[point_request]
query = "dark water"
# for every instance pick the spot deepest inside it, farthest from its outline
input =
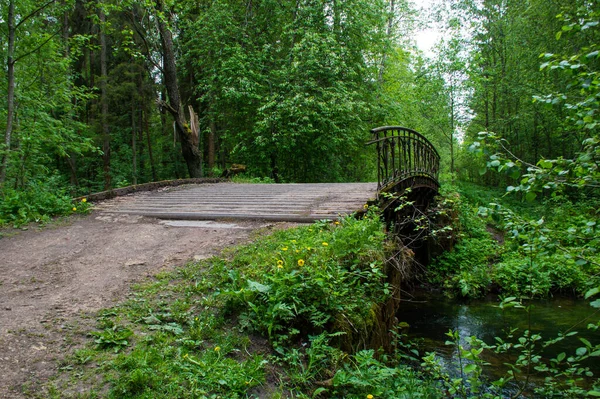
(431, 317)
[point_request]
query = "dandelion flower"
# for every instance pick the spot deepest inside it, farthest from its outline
(74, 209)
(325, 244)
(300, 262)
(369, 396)
(217, 348)
(279, 262)
(337, 222)
(366, 206)
(84, 200)
(284, 248)
(280, 266)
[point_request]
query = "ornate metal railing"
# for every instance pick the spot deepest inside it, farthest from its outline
(405, 159)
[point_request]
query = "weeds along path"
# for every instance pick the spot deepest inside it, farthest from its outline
(53, 280)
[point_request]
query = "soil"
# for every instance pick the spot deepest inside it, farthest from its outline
(53, 280)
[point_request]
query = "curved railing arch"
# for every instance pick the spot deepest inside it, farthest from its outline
(405, 159)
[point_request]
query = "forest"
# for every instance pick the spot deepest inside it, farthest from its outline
(102, 94)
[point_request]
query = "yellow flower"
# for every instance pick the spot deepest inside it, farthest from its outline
(280, 266)
(369, 396)
(325, 244)
(279, 262)
(294, 241)
(84, 200)
(337, 222)
(308, 248)
(217, 348)
(74, 209)
(300, 262)
(297, 251)
(284, 248)
(366, 206)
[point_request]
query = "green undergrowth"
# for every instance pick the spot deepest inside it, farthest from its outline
(265, 320)
(37, 202)
(517, 248)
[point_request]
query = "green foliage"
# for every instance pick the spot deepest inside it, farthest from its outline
(38, 202)
(365, 375)
(504, 77)
(289, 86)
(538, 256)
(304, 289)
(465, 269)
(469, 384)
(114, 337)
(315, 279)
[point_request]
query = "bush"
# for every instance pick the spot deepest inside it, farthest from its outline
(37, 202)
(366, 377)
(465, 269)
(307, 280)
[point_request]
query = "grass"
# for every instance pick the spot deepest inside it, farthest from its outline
(265, 320)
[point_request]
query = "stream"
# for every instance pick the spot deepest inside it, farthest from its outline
(430, 317)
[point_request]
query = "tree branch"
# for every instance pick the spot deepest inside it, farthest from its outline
(37, 48)
(165, 105)
(139, 31)
(31, 14)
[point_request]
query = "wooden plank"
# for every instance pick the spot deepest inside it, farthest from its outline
(276, 202)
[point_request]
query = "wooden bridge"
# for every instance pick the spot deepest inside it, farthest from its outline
(406, 163)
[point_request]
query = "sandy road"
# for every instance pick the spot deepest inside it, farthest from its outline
(53, 280)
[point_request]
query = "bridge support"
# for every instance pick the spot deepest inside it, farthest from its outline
(407, 171)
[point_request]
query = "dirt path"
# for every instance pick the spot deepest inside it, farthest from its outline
(52, 281)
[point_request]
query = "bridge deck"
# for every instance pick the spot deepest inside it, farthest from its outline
(279, 202)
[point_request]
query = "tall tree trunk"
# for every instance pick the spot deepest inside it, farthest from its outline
(133, 142)
(150, 155)
(187, 137)
(11, 88)
(389, 33)
(211, 145)
(104, 102)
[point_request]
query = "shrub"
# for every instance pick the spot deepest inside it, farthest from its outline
(37, 202)
(305, 281)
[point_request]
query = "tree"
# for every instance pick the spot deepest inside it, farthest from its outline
(187, 132)
(40, 121)
(11, 59)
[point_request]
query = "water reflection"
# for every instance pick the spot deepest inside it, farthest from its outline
(431, 317)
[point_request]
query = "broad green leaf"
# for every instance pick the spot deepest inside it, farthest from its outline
(545, 164)
(592, 292)
(469, 368)
(530, 196)
(581, 351)
(258, 287)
